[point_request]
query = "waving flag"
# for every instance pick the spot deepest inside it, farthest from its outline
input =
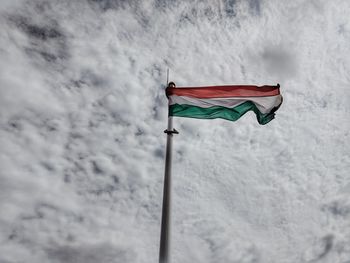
(225, 102)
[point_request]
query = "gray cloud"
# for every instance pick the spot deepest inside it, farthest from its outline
(90, 254)
(280, 61)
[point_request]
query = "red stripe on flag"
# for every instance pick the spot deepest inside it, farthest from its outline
(224, 91)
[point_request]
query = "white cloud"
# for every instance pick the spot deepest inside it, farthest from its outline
(82, 114)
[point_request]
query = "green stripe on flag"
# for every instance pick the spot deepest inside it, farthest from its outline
(231, 114)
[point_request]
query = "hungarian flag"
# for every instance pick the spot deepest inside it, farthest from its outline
(225, 102)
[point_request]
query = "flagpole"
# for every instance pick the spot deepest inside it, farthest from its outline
(166, 209)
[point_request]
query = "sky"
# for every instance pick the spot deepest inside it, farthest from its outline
(82, 115)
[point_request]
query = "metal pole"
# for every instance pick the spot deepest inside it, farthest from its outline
(165, 228)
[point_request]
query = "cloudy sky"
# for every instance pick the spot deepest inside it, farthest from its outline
(82, 114)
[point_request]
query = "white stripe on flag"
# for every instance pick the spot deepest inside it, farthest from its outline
(264, 104)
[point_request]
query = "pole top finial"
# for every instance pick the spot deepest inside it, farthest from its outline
(171, 85)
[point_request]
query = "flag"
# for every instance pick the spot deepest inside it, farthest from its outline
(225, 102)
